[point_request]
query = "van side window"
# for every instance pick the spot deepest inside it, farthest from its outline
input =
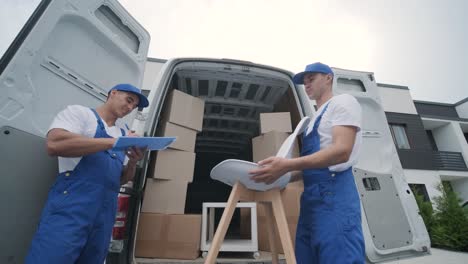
(114, 23)
(351, 85)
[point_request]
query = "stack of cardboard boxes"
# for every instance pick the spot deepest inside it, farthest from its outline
(164, 231)
(274, 129)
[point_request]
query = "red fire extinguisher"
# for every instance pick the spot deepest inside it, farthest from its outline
(121, 219)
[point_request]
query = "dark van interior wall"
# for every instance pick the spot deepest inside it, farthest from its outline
(203, 188)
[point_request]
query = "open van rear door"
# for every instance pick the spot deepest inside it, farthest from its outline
(69, 52)
(392, 227)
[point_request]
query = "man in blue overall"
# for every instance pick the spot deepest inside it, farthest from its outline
(329, 228)
(77, 220)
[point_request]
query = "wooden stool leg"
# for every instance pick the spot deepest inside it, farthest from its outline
(271, 231)
(224, 223)
(285, 236)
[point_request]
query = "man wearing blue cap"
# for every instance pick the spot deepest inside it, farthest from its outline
(77, 220)
(329, 228)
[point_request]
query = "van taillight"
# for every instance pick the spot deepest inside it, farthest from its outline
(118, 231)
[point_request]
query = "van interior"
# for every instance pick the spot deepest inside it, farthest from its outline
(233, 100)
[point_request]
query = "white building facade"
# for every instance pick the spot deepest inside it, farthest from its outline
(431, 139)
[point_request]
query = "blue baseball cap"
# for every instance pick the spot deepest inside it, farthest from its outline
(143, 101)
(312, 68)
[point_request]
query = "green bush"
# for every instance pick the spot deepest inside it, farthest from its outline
(448, 223)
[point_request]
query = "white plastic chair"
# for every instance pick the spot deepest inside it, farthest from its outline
(231, 171)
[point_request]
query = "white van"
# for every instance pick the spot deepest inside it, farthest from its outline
(72, 52)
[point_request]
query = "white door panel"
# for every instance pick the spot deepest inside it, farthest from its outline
(72, 52)
(391, 223)
(75, 53)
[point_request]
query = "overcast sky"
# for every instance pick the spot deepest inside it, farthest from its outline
(422, 44)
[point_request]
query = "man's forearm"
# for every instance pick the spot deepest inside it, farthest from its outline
(321, 159)
(79, 146)
(66, 144)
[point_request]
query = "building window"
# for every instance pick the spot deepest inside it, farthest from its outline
(466, 137)
(399, 136)
(420, 189)
(447, 186)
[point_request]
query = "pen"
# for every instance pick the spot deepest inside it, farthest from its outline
(128, 129)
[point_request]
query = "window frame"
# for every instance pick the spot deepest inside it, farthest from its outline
(420, 189)
(395, 141)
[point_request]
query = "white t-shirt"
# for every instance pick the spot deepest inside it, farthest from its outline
(343, 110)
(79, 120)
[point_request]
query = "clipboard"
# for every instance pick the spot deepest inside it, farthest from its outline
(152, 143)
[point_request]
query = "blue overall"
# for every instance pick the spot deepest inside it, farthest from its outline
(329, 229)
(77, 220)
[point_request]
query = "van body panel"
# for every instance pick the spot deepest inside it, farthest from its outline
(152, 68)
(74, 52)
(391, 224)
(25, 183)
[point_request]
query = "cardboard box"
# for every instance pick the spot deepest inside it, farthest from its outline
(164, 196)
(168, 236)
(170, 164)
(291, 197)
(280, 122)
(268, 144)
(183, 109)
(264, 243)
(186, 137)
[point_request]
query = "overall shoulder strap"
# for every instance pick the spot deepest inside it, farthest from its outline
(98, 118)
(319, 118)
